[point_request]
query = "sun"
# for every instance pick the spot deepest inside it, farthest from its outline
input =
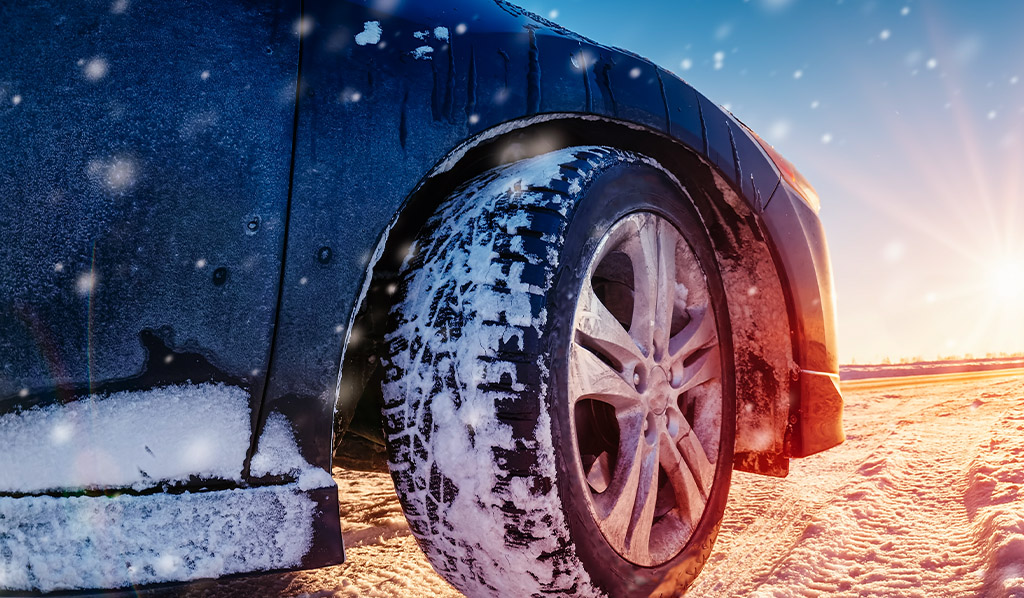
(1006, 280)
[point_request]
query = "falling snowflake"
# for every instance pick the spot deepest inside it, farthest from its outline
(775, 5)
(61, 433)
(779, 130)
(826, 138)
(350, 95)
(95, 68)
(885, 34)
(303, 26)
(86, 283)
(686, 64)
(115, 174)
(894, 251)
(798, 74)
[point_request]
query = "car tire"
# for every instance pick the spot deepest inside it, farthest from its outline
(558, 401)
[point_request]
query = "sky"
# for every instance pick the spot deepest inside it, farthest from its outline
(908, 119)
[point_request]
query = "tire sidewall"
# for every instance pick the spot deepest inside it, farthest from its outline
(618, 191)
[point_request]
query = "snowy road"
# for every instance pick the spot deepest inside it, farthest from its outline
(923, 499)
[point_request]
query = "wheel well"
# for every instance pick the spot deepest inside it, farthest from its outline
(757, 305)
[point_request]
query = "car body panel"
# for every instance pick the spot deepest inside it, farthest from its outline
(374, 118)
(144, 198)
(145, 202)
(219, 171)
(799, 241)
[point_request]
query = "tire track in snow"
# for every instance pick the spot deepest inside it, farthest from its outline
(766, 516)
(884, 514)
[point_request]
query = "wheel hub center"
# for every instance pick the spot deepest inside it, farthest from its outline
(658, 393)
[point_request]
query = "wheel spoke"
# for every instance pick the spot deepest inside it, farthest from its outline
(691, 494)
(591, 378)
(697, 460)
(653, 254)
(598, 330)
(705, 367)
(643, 508)
(642, 250)
(618, 511)
(667, 241)
(631, 516)
(697, 334)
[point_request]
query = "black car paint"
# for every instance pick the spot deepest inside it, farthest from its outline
(166, 187)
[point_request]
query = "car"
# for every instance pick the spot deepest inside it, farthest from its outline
(552, 288)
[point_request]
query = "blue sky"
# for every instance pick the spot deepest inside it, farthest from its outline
(908, 118)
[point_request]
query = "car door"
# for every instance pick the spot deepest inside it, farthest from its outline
(143, 199)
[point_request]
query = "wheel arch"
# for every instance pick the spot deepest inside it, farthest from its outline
(757, 303)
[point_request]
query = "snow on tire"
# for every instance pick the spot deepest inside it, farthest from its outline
(494, 462)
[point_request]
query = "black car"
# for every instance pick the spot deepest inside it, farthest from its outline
(243, 241)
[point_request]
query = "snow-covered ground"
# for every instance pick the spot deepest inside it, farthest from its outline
(924, 499)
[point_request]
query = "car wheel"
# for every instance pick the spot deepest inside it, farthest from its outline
(559, 404)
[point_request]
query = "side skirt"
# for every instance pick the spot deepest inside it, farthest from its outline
(89, 542)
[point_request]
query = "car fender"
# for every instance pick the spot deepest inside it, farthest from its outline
(390, 102)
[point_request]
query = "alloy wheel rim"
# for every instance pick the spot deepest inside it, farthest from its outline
(644, 389)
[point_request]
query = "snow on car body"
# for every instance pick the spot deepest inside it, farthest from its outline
(206, 210)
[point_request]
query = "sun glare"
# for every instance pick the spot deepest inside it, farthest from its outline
(1006, 279)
